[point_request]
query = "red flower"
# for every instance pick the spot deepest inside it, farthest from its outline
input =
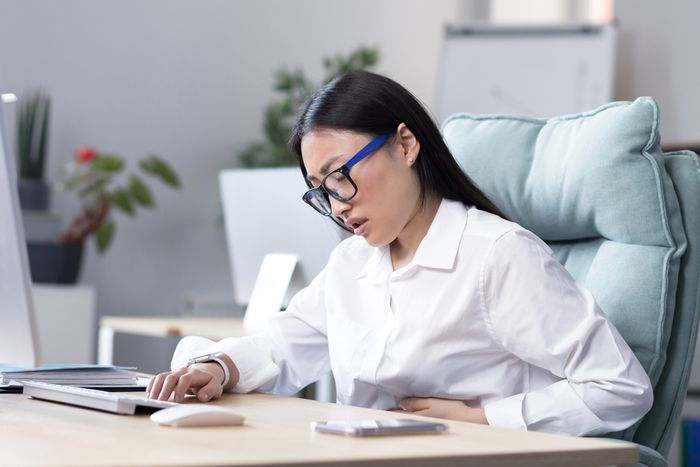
(85, 154)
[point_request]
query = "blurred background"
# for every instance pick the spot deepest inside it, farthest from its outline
(191, 82)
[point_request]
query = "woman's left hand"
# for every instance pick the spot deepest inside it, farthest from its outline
(443, 408)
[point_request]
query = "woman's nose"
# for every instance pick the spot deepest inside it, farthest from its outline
(339, 207)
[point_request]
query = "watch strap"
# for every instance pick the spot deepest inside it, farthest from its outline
(212, 358)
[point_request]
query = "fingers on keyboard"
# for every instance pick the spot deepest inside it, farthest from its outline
(184, 384)
(169, 386)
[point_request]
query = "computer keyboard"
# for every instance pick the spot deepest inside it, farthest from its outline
(93, 398)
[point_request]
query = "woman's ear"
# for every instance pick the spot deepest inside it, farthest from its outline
(410, 147)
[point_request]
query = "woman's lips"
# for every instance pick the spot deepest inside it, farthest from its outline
(360, 229)
(357, 224)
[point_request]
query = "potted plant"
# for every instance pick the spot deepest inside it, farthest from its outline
(95, 177)
(295, 88)
(33, 117)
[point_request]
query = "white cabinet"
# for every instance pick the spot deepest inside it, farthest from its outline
(65, 322)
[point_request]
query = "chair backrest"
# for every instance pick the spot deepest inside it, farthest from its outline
(598, 189)
(659, 424)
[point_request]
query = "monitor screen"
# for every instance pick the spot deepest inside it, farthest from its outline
(18, 345)
(264, 213)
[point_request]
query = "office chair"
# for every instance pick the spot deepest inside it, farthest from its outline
(620, 215)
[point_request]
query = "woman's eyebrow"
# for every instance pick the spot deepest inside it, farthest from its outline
(325, 167)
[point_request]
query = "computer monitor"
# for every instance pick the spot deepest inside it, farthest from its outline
(264, 213)
(18, 342)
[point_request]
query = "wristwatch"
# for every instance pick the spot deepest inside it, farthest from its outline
(212, 357)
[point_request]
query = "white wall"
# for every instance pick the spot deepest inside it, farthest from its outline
(187, 80)
(659, 57)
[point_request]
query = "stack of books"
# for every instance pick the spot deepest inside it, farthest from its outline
(94, 376)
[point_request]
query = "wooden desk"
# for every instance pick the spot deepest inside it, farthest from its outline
(213, 328)
(276, 433)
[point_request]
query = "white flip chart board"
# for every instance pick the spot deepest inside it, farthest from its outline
(529, 71)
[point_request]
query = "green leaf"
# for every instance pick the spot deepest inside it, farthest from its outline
(276, 127)
(72, 183)
(32, 133)
(92, 184)
(157, 167)
(121, 199)
(108, 163)
(362, 58)
(283, 80)
(251, 155)
(104, 235)
(140, 192)
(43, 130)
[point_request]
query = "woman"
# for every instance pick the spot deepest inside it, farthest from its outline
(437, 305)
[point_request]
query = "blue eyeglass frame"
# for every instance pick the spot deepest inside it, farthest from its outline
(368, 149)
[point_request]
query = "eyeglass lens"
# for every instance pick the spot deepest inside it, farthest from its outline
(338, 185)
(318, 200)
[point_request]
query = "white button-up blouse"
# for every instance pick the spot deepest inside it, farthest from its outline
(483, 313)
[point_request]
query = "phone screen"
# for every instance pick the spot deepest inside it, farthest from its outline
(378, 427)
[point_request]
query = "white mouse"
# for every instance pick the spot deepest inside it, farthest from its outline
(197, 415)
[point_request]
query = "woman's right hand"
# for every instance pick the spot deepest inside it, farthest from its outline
(201, 379)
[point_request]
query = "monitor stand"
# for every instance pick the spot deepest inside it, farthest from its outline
(269, 290)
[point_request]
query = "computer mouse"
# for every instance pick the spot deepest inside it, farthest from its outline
(197, 415)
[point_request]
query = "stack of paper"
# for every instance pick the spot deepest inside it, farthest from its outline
(76, 375)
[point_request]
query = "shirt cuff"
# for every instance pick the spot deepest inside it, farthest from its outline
(256, 370)
(188, 347)
(506, 413)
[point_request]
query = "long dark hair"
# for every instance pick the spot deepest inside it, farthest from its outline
(369, 103)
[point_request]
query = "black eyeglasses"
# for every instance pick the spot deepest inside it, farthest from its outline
(338, 183)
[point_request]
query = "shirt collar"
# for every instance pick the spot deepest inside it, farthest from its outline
(373, 266)
(437, 250)
(439, 247)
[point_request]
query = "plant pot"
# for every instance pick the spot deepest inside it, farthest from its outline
(55, 263)
(33, 194)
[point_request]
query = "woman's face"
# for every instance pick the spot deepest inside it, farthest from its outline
(388, 188)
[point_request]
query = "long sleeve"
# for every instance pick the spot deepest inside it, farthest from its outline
(291, 353)
(535, 310)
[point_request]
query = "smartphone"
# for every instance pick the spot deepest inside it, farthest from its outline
(399, 426)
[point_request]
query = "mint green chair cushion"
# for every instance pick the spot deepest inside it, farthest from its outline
(595, 187)
(669, 393)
